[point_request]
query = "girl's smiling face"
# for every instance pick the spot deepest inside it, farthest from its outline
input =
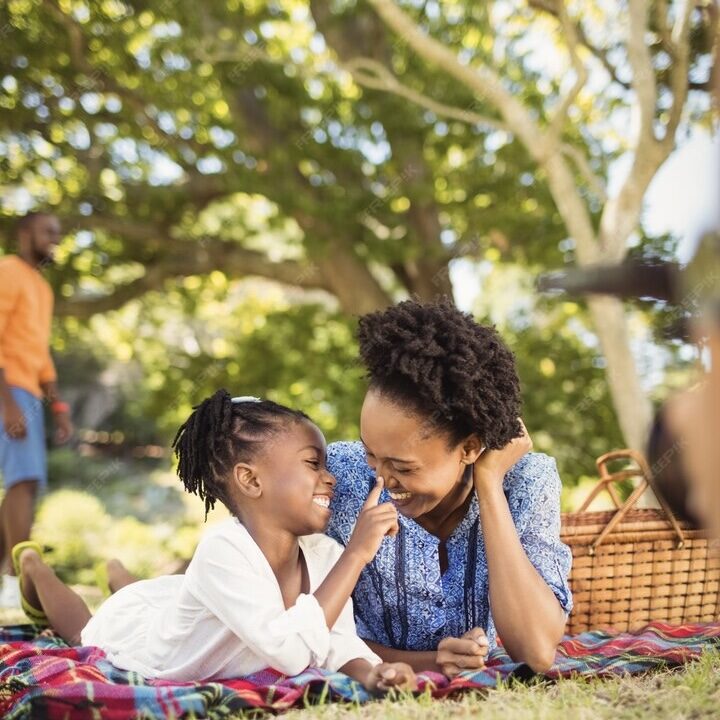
(293, 483)
(419, 468)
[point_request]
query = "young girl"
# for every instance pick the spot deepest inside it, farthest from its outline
(263, 588)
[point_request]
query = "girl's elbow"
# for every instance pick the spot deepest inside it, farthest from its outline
(295, 657)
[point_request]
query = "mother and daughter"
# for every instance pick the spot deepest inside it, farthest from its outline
(447, 529)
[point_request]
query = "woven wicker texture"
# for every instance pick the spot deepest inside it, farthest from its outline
(647, 567)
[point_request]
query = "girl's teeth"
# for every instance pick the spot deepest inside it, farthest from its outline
(322, 501)
(400, 496)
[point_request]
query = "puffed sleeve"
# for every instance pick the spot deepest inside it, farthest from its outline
(354, 479)
(235, 584)
(534, 498)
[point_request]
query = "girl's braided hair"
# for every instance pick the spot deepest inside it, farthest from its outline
(220, 433)
(442, 365)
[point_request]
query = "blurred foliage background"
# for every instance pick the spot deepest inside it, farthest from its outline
(233, 200)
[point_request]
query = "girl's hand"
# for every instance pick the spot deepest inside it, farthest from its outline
(464, 653)
(373, 524)
(492, 465)
(385, 676)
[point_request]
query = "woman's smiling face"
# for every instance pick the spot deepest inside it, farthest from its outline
(419, 468)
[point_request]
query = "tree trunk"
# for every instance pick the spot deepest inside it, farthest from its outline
(351, 281)
(633, 408)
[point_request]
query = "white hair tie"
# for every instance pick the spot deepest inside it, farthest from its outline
(245, 398)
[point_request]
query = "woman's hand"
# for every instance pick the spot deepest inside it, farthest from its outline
(454, 655)
(373, 524)
(385, 676)
(492, 465)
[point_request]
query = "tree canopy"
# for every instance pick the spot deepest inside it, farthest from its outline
(332, 147)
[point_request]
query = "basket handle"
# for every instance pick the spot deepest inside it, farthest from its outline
(607, 481)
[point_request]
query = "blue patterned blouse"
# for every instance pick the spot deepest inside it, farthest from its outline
(402, 600)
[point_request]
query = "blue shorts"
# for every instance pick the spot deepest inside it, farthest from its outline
(25, 459)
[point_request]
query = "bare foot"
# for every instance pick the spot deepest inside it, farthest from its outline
(118, 575)
(29, 561)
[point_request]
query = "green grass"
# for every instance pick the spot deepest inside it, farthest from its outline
(689, 693)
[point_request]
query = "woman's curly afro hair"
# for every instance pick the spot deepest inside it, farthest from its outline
(442, 365)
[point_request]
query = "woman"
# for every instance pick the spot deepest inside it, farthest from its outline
(478, 550)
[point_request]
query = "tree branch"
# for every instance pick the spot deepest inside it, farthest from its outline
(352, 281)
(643, 74)
(680, 38)
(551, 7)
(84, 308)
(243, 57)
(560, 114)
(142, 233)
(197, 259)
(595, 183)
(373, 74)
(661, 17)
(484, 81)
(363, 41)
(136, 232)
(621, 214)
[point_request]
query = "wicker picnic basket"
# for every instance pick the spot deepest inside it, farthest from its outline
(633, 565)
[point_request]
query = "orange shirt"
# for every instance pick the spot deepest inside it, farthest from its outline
(26, 304)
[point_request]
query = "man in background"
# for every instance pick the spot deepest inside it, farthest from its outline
(27, 374)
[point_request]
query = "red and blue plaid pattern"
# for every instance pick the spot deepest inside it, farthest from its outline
(42, 677)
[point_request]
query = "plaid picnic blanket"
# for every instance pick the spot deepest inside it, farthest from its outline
(43, 677)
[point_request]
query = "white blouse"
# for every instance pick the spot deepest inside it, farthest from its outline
(225, 618)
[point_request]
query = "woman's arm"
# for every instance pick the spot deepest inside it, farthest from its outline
(453, 655)
(418, 660)
(517, 590)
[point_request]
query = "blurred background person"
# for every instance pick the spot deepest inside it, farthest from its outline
(27, 374)
(693, 417)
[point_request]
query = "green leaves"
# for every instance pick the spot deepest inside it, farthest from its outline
(188, 146)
